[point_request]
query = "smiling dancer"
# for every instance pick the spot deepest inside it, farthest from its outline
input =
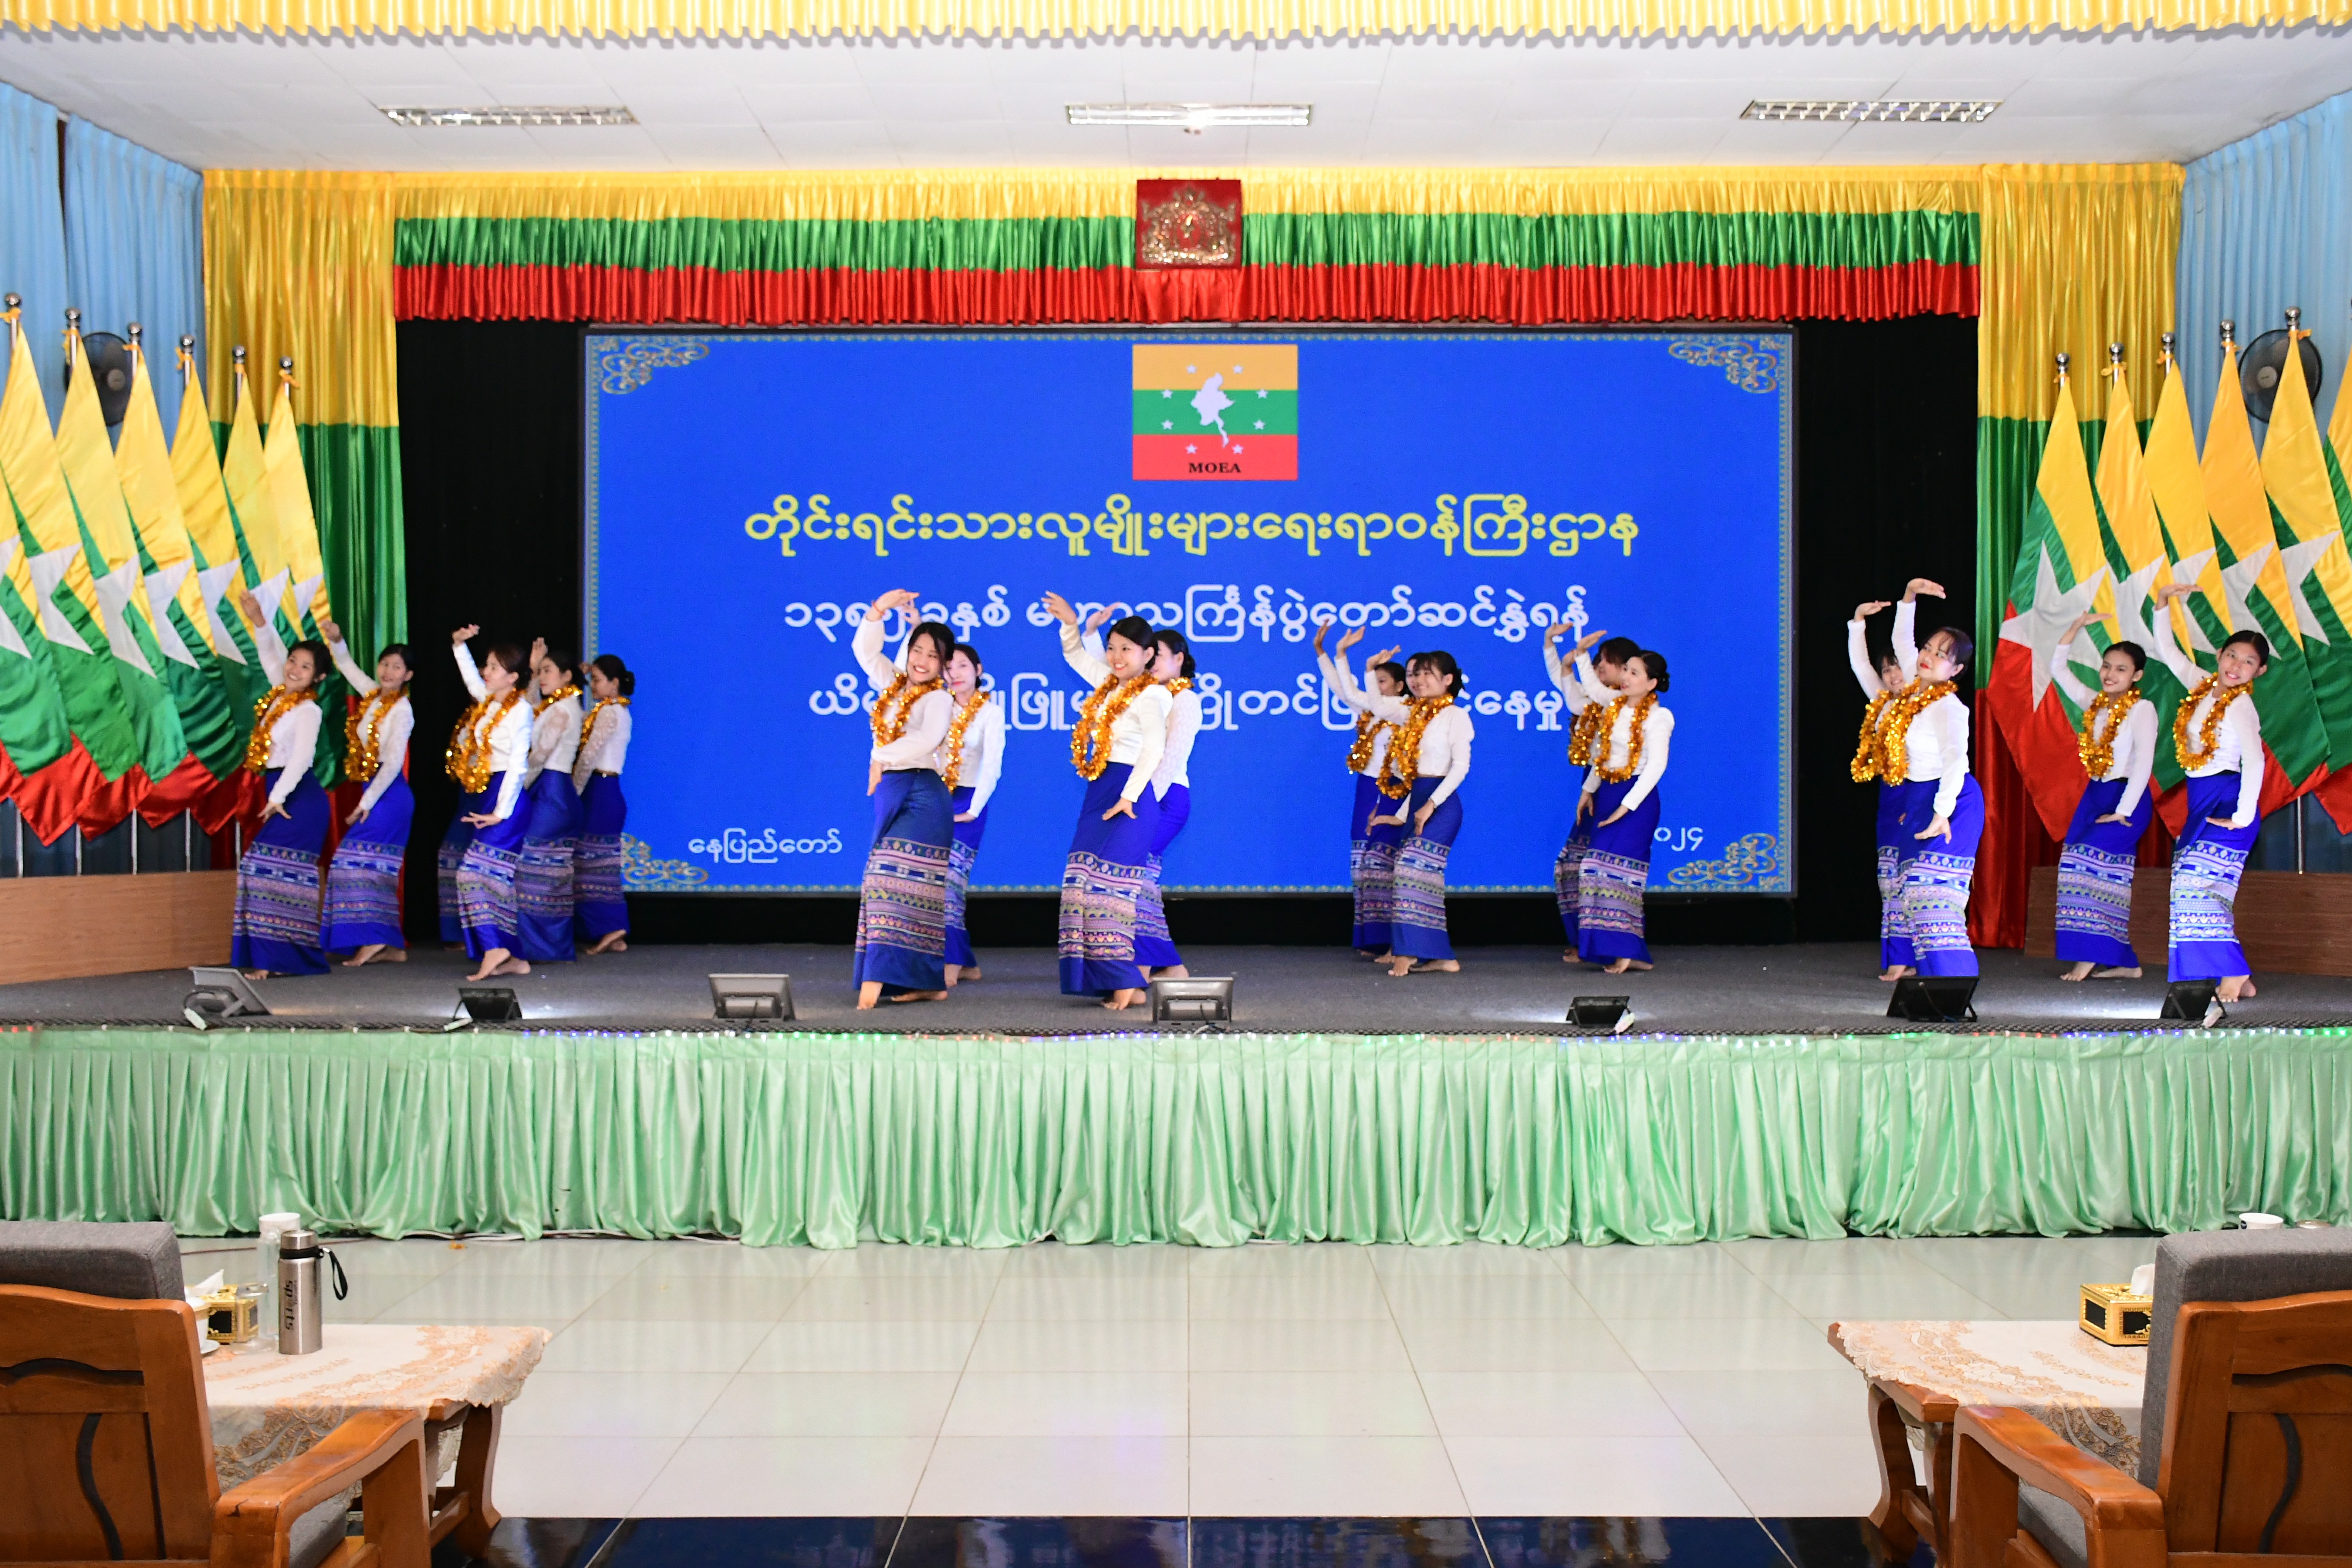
(1371, 841)
(599, 899)
(971, 761)
(1421, 780)
(1116, 748)
(276, 926)
(487, 757)
(543, 877)
(1621, 800)
(1927, 734)
(2217, 734)
(1587, 684)
(2116, 741)
(1882, 681)
(363, 878)
(902, 904)
(1172, 791)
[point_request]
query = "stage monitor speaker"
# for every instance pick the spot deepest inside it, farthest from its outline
(752, 996)
(2194, 1001)
(1203, 999)
(1614, 1014)
(1934, 999)
(484, 1005)
(220, 993)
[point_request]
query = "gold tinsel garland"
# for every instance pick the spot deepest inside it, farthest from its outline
(965, 714)
(1642, 706)
(2209, 734)
(1090, 737)
(888, 726)
(1403, 764)
(2096, 746)
(1895, 739)
(1864, 766)
(266, 711)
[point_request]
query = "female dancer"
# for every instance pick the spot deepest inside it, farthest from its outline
(1371, 840)
(971, 759)
(600, 906)
(276, 927)
(2218, 737)
(1928, 739)
(1115, 747)
(2118, 745)
(1587, 685)
(1620, 798)
(1422, 776)
(1171, 790)
(363, 878)
(902, 904)
(551, 829)
(487, 757)
(1881, 683)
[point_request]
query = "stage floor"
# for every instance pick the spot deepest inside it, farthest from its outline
(1826, 988)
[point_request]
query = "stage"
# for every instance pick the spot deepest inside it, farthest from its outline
(1763, 1093)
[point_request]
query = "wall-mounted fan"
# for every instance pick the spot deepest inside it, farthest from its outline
(2265, 361)
(109, 362)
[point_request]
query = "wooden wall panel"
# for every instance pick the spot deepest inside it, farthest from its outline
(2288, 924)
(62, 927)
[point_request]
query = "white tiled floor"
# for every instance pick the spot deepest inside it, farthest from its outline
(690, 1378)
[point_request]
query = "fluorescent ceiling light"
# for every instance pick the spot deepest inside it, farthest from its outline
(1194, 117)
(1916, 110)
(517, 114)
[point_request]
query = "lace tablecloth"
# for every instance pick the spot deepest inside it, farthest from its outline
(2086, 1392)
(266, 1407)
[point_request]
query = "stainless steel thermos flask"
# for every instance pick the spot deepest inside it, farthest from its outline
(299, 1258)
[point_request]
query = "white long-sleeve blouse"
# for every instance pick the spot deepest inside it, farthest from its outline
(1577, 679)
(2238, 748)
(983, 753)
(509, 743)
(1936, 744)
(1444, 744)
(2133, 738)
(1657, 733)
(391, 734)
(927, 723)
(606, 749)
(294, 738)
(1176, 755)
(1347, 691)
(554, 737)
(1139, 735)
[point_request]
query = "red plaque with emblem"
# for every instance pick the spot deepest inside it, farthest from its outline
(1187, 250)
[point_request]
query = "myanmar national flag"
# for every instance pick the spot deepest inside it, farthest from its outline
(2310, 537)
(2136, 561)
(1216, 411)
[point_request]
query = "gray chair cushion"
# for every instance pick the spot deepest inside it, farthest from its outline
(316, 1533)
(2050, 1520)
(136, 1262)
(2228, 1266)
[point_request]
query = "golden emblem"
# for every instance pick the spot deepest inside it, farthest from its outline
(1187, 229)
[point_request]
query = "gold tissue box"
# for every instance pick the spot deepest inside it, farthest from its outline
(232, 1316)
(2113, 1314)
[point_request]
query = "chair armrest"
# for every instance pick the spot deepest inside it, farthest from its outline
(2106, 1497)
(251, 1523)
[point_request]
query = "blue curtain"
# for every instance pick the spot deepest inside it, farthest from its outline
(134, 247)
(33, 231)
(2266, 223)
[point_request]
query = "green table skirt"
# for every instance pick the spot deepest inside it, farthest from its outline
(825, 1140)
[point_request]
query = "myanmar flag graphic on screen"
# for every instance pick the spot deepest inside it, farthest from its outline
(1216, 411)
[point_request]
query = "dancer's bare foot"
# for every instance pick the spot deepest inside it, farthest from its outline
(1374, 954)
(1398, 967)
(611, 941)
(1172, 972)
(955, 973)
(1119, 1001)
(497, 961)
(918, 996)
(392, 955)
(514, 966)
(1624, 966)
(1897, 971)
(1438, 966)
(2235, 987)
(971, 972)
(2080, 972)
(2116, 972)
(364, 955)
(256, 975)
(869, 994)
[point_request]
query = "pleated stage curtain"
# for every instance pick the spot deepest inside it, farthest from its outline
(827, 1139)
(301, 264)
(135, 247)
(2262, 226)
(33, 230)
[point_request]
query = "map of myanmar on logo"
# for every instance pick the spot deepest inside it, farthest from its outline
(1216, 411)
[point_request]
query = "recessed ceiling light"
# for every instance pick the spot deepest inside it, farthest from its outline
(1916, 110)
(517, 114)
(1194, 117)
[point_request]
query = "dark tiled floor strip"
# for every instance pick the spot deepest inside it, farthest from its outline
(1108, 1543)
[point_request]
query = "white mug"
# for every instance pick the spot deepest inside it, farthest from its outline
(2261, 1220)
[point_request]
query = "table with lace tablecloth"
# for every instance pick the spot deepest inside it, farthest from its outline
(1922, 1371)
(266, 1407)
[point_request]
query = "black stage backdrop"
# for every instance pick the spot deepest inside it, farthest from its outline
(491, 461)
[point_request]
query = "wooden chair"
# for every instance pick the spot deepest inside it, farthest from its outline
(106, 1448)
(2246, 1443)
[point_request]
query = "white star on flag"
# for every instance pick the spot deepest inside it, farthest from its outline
(1167, 392)
(1238, 370)
(1237, 448)
(1168, 423)
(1190, 448)
(2235, 583)
(1191, 370)
(2038, 629)
(9, 638)
(210, 584)
(48, 569)
(1261, 392)
(1261, 424)
(2300, 560)
(2131, 598)
(163, 587)
(2188, 569)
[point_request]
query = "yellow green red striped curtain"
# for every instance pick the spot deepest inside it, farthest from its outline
(1256, 19)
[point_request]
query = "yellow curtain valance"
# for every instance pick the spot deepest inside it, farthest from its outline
(301, 264)
(1160, 18)
(984, 194)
